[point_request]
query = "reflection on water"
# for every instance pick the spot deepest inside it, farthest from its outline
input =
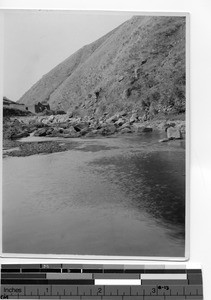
(116, 196)
(154, 182)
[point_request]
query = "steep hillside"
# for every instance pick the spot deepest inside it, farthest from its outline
(11, 108)
(138, 66)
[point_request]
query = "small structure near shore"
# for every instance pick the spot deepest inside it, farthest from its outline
(40, 107)
(172, 134)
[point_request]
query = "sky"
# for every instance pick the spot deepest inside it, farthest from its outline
(37, 41)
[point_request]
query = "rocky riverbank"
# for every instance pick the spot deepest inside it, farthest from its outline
(71, 127)
(67, 126)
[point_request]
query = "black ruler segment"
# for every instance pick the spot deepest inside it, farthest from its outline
(136, 271)
(71, 271)
(194, 278)
(10, 270)
(58, 270)
(30, 270)
(45, 281)
(77, 281)
(18, 266)
(22, 275)
(112, 297)
(113, 271)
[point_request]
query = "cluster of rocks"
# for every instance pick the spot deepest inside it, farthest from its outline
(14, 129)
(68, 126)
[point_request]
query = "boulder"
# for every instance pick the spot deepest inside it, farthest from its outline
(49, 131)
(120, 122)
(61, 130)
(64, 125)
(20, 135)
(182, 128)
(147, 129)
(91, 134)
(79, 126)
(16, 122)
(102, 131)
(70, 130)
(103, 124)
(163, 140)
(51, 118)
(32, 120)
(112, 119)
(120, 78)
(40, 120)
(60, 112)
(167, 125)
(41, 131)
(139, 128)
(108, 129)
(74, 121)
(142, 118)
(173, 133)
(133, 118)
(126, 125)
(32, 129)
(111, 129)
(45, 121)
(126, 130)
(84, 131)
(95, 126)
(70, 114)
(122, 113)
(62, 118)
(66, 133)
(55, 132)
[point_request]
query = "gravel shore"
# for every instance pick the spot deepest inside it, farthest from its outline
(32, 148)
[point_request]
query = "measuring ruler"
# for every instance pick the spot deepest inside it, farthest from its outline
(118, 282)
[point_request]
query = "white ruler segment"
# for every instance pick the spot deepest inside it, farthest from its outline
(117, 282)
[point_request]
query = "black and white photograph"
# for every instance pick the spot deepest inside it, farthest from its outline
(94, 131)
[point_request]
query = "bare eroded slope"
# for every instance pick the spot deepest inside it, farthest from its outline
(139, 65)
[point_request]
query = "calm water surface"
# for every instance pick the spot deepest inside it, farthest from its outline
(112, 196)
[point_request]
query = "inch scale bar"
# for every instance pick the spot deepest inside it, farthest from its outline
(125, 282)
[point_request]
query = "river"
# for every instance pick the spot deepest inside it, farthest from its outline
(120, 196)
